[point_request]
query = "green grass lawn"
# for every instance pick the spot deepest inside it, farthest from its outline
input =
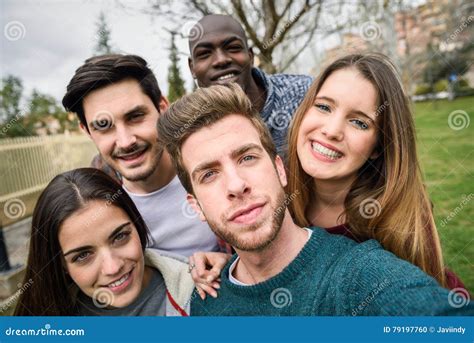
(447, 161)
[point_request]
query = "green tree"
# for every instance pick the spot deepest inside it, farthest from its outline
(42, 112)
(10, 97)
(43, 107)
(175, 81)
(103, 44)
(11, 115)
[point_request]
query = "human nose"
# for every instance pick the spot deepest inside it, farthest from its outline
(237, 185)
(221, 58)
(111, 263)
(125, 138)
(334, 127)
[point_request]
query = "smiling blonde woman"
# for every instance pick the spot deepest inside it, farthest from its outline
(354, 165)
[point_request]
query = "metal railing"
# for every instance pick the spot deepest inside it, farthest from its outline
(27, 164)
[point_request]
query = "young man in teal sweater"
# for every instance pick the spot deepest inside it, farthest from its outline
(227, 162)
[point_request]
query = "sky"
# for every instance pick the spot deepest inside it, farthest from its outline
(43, 42)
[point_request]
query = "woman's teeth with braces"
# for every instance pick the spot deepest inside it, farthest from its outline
(325, 151)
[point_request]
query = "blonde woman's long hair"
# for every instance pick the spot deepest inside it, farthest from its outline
(391, 184)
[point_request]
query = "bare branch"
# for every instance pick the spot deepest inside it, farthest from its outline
(243, 19)
(289, 25)
(305, 45)
(200, 6)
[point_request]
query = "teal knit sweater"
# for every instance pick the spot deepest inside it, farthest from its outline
(333, 275)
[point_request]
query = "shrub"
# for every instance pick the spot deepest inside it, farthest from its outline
(423, 88)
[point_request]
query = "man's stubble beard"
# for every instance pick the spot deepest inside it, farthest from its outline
(278, 214)
(143, 176)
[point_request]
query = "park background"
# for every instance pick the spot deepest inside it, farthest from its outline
(43, 42)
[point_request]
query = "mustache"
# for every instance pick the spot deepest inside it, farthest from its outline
(243, 204)
(137, 147)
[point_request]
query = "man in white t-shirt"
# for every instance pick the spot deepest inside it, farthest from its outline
(118, 102)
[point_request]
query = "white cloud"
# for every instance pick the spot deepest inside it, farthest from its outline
(59, 36)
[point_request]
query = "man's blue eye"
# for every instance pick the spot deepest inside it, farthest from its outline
(248, 158)
(207, 175)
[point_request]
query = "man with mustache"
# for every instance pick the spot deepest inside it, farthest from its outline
(227, 163)
(219, 53)
(118, 102)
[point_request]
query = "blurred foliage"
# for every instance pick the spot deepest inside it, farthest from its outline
(423, 88)
(10, 96)
(441, 85)
(175, 82)
(40, 114)
(103, 44)
(444, 64)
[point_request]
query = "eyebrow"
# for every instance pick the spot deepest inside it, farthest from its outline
(225, 42)
(86, 247)
(335, 103)
(138, 108)
(234, 154)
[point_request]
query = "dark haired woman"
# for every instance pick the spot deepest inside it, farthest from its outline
(87, 255)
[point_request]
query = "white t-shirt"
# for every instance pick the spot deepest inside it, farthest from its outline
(174, 226)
(234, 264)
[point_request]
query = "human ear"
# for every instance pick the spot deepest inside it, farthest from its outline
(84, 129)
(280, 168)
(191, 67)
(252, 55)
(192, 201)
